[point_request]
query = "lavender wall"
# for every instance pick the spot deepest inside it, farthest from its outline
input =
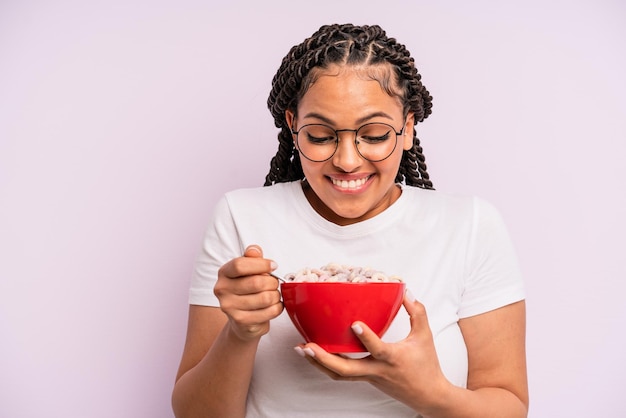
(121, 122)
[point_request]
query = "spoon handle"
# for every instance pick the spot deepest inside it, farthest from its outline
(280, 279)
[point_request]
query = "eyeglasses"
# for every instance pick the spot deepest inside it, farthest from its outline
(374, 141)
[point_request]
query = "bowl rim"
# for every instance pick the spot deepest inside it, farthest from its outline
(343, 283)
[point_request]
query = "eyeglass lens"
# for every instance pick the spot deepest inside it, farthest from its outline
(374, 141)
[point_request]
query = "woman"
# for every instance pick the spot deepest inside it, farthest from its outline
(349, 184)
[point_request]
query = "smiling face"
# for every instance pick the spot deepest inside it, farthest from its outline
(348, 188)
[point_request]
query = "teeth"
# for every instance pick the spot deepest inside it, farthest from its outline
(350, 184)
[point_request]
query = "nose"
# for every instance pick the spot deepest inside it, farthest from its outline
(346, 157)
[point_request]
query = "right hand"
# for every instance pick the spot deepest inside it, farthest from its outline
(248, 295)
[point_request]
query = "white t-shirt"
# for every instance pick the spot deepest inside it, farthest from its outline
(453, 252)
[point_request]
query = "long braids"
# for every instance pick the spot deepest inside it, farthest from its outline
(347, 45)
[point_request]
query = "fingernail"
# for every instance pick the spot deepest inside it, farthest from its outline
(358, 330)
(299, 350)
(410, 296)
(273, 265)
(255, 248)
(309, 352)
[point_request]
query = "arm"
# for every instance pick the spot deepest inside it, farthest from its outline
(496, 347)
(221, 344)
(497, 385)
(215, 369)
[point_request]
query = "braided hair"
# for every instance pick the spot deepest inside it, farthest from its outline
(345, 45)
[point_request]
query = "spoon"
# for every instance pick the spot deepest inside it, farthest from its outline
(280, 279)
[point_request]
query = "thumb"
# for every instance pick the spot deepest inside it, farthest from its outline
(254, 251)
(416, 311)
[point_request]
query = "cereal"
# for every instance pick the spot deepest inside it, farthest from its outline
(334, 272)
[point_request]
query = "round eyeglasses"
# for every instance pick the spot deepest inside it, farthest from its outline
(374, 141)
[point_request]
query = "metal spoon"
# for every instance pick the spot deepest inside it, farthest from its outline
(280, 279)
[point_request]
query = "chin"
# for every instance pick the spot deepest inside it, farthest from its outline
(348, 216)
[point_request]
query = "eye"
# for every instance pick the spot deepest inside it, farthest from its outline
(320, 140)
(374, 133)
(319, 135)
(374, 139)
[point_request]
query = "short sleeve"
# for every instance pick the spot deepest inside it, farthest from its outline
(220, 244)
(493, 276)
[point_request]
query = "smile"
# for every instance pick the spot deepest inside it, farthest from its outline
(350, 184)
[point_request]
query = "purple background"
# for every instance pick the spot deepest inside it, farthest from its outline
(121, 122)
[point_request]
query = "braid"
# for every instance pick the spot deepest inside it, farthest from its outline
(345, 45)
(282, 165)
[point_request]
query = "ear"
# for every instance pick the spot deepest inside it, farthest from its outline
(289, 117)
(408, 132)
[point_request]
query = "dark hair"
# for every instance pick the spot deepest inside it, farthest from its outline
(346, 45)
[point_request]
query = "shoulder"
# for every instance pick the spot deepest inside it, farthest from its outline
(438, 200)
(259, 202)
(278, 190)
(447, 206)
(266, 194)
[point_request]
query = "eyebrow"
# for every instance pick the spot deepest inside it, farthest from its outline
(358, 121)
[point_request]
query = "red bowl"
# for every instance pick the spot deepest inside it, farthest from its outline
(323, 312)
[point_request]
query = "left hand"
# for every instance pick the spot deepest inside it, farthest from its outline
(408, 370)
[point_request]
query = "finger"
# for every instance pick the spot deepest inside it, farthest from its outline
(309, 355)
(252, 324)
(335, 366)
(377, 348)
(254, 251)
(251, 301)
(245, 276)
(252, 263)
(416, 311)
(254, 314)
(252, 285)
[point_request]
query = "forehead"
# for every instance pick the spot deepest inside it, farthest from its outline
(349, 89)
(383, 73)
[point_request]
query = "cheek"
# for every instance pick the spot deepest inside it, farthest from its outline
(396, 157)
(392, 164)
(309, 168)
